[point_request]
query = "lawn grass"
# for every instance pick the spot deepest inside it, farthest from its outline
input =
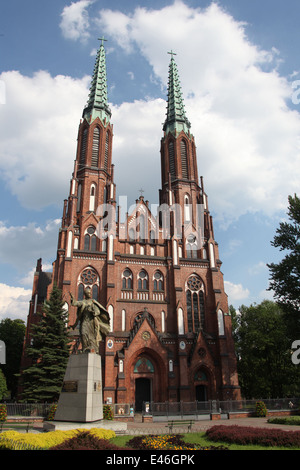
(201, 439)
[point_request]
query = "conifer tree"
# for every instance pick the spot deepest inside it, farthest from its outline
(49, 352)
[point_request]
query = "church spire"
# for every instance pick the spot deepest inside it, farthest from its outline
(176, 119)
(97, 105)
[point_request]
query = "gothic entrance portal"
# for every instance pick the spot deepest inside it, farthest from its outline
(142, 392)
(143, 372)
(201, 393)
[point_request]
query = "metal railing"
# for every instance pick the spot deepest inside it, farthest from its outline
(33, 410)
(198, 408)
(166, 409)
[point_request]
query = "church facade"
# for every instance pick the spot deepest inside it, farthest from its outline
(158, 275)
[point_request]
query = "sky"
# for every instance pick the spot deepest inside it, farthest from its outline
(239, 68)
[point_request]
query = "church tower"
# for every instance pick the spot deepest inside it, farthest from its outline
(92, 184)
(158, 275)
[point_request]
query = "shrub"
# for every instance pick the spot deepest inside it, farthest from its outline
(291, 420)
(260, 409)
(249, 435)
(3, 413)
(51, 413)
(108, 412)
(86, 441)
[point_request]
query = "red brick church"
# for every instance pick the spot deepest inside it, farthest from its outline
(158, 275)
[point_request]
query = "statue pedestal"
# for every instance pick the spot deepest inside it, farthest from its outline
(81, 397)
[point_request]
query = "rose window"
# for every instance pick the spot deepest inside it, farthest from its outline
(194, 283)
(89, 277)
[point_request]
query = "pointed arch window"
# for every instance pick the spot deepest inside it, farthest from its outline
(96, 145)
(195, 303)
(158, 281)
(172, 160)
(127, 279)
(88, 278)
(187, 208)
(92, 197)
(142, 228)
(184, 163)
(80, 291)
(191, 247)
(90, 239)
(78, 198)
(83, 147)
(221, 323)
(106, 151)
(143, 280)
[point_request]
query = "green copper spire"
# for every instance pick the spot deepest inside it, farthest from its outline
(97, 105)
(176, 119)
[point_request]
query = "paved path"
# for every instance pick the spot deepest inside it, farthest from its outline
(137, 427)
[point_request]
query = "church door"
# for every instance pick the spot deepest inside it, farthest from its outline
(201, 393)
(142, 392)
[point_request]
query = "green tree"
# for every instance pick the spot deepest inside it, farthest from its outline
(49, 352)
(285, 275)
(12, 332)
(265, 367)
(3, 387)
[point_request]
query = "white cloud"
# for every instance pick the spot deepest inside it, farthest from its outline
(14, 302)
(257, 268)
(247, 137)
(235, 291)
(138, 138)
(75, 20)
(266, 295)
(21, 246)
(38, 134)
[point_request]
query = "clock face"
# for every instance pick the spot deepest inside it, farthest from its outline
(182, 345)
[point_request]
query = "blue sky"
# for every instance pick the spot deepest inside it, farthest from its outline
(238, 61)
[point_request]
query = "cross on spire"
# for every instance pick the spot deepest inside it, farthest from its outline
(102, 40)
(172, 53)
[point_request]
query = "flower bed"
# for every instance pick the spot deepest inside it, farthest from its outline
(249, 435)
(14, 440)
(166, 442)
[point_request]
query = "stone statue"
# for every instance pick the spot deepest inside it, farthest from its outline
(93, 319)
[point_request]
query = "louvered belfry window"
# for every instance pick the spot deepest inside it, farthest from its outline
(106, 151)
(96, 144)
(83, 147)
(184, 165)
(172, 159)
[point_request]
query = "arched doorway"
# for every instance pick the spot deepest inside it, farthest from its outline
(143, 380)
(201, 381)
(148, 364)
(143, 392)
(201, 393)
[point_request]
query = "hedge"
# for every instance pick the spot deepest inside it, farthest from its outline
(250, 435)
